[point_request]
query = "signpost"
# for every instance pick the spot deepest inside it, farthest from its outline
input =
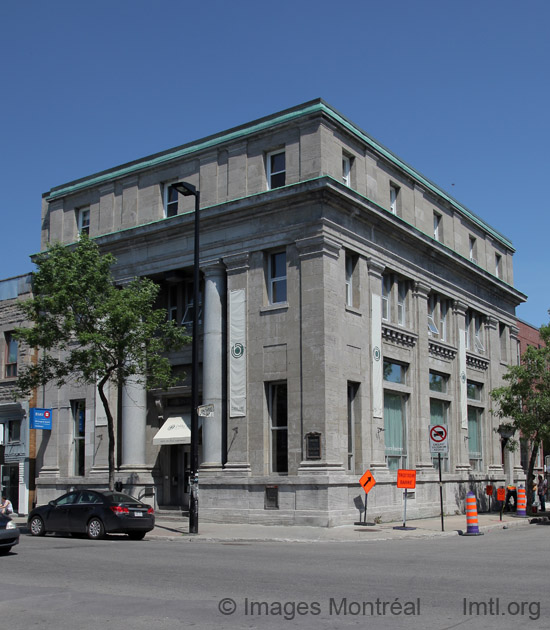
(367, 482)
(406, 479)
(439, 444)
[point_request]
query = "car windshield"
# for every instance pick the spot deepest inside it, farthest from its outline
(119, 497)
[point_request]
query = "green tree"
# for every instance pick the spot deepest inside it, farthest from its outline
(92, 331)
(524, 402)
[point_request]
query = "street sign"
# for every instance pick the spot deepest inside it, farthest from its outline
(41, 419)
(438, 439)
(501, 494)
(205, 411)
(367, 481)
(406, 479)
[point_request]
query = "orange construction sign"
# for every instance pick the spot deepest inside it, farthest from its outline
(501, 494)
(367, 481)
(406, 479)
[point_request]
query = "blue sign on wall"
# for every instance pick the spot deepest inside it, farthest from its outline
(41, 419)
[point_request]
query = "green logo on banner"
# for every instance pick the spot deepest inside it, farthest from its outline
(237, 350)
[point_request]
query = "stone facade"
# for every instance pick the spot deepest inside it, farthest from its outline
(369, 304)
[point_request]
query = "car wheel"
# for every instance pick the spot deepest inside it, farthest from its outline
(95, 529)
(36, 526)
(136, 535)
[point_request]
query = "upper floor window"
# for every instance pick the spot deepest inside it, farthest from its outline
(437, 227)
(11, 355)
(13, 431)
(438, 382)
(352, 281)
(180, 305)
(83, 220)
(346, 170)
(475, 331)
(276, 277)
(170, 201)
(276, 169)
(438, 309)
(395, 291)
(394, 196)
(473, 390)
(498, 265)
(473, 249)
(395, 372)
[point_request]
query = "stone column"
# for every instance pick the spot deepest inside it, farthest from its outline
(212, 364)
(372, 424)
(419, 426)
(134, 422)
(461, 450)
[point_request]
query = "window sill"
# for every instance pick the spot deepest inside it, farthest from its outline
(353, 310)
(272, 308)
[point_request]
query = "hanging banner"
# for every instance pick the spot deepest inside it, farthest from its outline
(377, 370)
(463, 379)
(237, 353)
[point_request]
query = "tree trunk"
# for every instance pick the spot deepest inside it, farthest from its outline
(111, 431)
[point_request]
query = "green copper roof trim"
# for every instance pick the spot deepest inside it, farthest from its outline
(312, 108)
(408, 169)
(133, 168)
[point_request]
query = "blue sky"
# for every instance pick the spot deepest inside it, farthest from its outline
(459, 90)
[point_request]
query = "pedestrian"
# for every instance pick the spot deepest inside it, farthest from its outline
(542, 488)
(6, 506)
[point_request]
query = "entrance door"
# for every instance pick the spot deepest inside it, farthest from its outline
(176, 475)
(10, 484)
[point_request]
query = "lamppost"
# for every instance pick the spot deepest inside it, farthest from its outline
(188, 190)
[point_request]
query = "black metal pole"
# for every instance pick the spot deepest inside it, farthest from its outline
(440, 491)
(194, 480)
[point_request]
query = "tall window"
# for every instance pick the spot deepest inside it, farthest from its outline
(83, 220)
(278, 418)
(503, 338)
(438, 308)
(394, 195)
(171, 196)
(353, 389)
(498, 265)
(395, 290)
(276, 169)
(475, 331)
(276, 275)
(78, 408)
(189, 307)
(11, 355)
(395, 430)
(475, 415)
(346, 170)
(13, 431)
(352, 281)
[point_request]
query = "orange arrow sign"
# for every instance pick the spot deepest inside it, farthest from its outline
(367, 481)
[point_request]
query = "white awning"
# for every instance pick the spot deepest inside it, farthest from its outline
(175, 430)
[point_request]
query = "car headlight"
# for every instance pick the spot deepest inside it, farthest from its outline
(11, 525)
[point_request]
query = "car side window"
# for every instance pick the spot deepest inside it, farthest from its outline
(89, 497)
(67, 499)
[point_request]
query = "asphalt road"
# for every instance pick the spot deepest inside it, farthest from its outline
(499, 580)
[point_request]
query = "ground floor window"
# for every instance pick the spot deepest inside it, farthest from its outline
(278, 418)
(78, 408)
(395, 430)
(474, 437)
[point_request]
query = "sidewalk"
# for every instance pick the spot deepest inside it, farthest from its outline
(178, 530)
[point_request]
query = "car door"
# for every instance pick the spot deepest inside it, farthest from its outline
(58, 515)
(82, 510)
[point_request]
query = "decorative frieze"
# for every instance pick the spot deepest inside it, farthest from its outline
(476, 363)
(442, 351)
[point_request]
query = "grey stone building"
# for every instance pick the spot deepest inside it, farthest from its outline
(347, 303)
(17, 439)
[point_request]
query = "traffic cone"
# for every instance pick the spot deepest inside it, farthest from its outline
(522, 502)
(471, 516)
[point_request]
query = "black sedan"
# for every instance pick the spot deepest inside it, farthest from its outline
(93, 513)
(9, 534)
